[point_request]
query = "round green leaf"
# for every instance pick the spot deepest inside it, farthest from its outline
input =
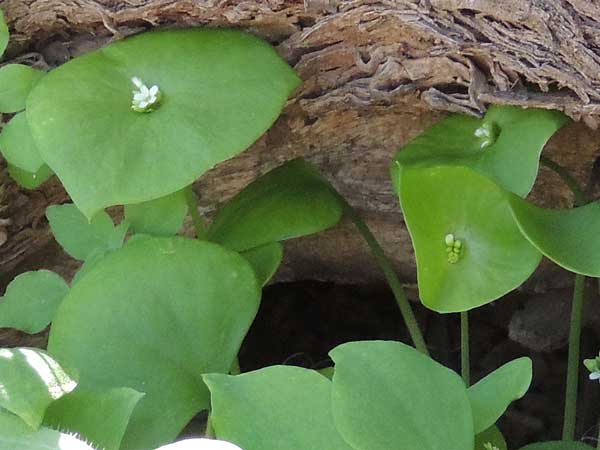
(200, 444)
(505, 145)
(30, 180)
(490, 436)
(290, 201)
(31, 300)
(568, 237)
(4, 34)
(16, 82)
(557, 445)
(491, 396)
(174, 309)
(221, 90)
(277, 408)
(100, 417)
(387, 395)
(495, 257)
(161, 217)
(17, 145)
(265, 260)
(31, 380)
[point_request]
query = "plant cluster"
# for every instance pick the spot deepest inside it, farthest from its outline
(146, 335)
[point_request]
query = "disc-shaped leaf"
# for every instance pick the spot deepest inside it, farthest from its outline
(220, 90)
(491, 436)
(15, 434)
(16, 82)
(568, 236)
(491, 396)
(505, 145)
(557, 445)
(388, 396)
(277, 408)
(265, 260)
(161, 217)
(174, 309)
(31, 300)
(31, 380)
(4, 34)
(494, 258)
(290, 201)
(200, 444)
(80, 236)
(30, 180)
(100, 417)
(17, 145)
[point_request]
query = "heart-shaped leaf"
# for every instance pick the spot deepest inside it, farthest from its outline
(505, 145)
(265, 260)
(30, 180)
(31, 300)
(469, 250)
(100, 417)
(31, 380)
(491, 396)
(174, 309)
(79, 236)
(200, 444)
(290, 201)
(17, 145)
(491, 436)
(16, 82)
(276, 408)
(568, 237)
(220, 91)
(161, 217)
(387, 395)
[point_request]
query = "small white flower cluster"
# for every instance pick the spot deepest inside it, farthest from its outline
(144, 99)
(593, 365)
(490, 446)
(453, 248)
(486, 135)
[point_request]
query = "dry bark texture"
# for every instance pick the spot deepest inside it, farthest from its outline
(376, 73)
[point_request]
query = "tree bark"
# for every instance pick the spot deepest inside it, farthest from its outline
(375, 74)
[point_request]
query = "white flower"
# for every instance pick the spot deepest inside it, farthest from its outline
(200, 444)
(595, 375)
(144, 98)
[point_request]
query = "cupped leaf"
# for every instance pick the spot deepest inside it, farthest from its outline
(505, 145)
(4, 34)
(79, 236)
(30, 180)
(15, 434)
(220, 91)
(265, 260)
(492, 436)
(31, 300)
(276, 408)
(557, 445)
(16, 82)
(174, 309)
(100, 417)
(456, 203)
(290, 201)
(17, 145)
(200, 444)
(31, 380)
(568, 236)
(161, 217)
(491, 396)
(387, 395)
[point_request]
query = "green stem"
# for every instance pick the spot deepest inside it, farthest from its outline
(235, 367)
(390, 275)
(465, 364)
(573, 363)
(210, 431)
(569, 180)
(192, 202)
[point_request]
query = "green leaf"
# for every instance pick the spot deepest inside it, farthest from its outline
(161, 217)
(387, 395)
(509, 156)
(290, 201)
(221, 90)
(557, 445)
(100, 417)
(31, 380)
(31, 300)
(16, 82)
(490, 436)
(80, 237)
(265, 260)
(174, 308)
(4, 34)
(15, 434)
(495, 257)
(491, 396)
(30, 180)
(568, 237)
(17, 145)
(276, 408)
(200, 444)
